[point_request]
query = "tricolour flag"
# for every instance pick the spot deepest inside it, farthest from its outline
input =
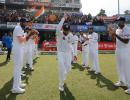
(40, 12)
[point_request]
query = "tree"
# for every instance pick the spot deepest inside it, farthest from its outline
(102, 13)
(127, 12)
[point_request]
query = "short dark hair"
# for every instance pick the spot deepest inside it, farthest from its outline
(66, 26)
(23, 20)
(121, 19)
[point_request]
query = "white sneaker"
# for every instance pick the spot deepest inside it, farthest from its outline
(83, 65)
(19, 91)
(119, 83)
(22, 85)
(23, 75)
(32, 69)
(61, 88)
(91, 70)
(127, 91)
(96, 73)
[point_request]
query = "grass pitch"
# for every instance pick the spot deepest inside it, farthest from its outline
(42, 84)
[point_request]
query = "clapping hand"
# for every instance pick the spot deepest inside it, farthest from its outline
(111, 30)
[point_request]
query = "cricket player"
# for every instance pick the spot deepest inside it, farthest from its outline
(74, 47)
(93, 50)
(64, 56)
(18, 50)
(122, 36)
(30, 46)
(19, 40)
(85, 48)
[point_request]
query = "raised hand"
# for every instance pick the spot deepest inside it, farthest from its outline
(65, 16)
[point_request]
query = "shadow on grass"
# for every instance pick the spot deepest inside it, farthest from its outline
(66, 95)
(3, 64)
(77, 66)
(5, 91)
(103, 81)
(35, 60)
(26, 73)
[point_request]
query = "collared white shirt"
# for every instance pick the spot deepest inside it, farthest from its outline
(123, 33)
(64, 43)
(93, 40)
(74, 39)
(18, 31)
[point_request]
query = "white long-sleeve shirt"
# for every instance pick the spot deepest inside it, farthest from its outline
(93, 40)
(64, 43)
(18, 31)
(83, 40)
(124, 33)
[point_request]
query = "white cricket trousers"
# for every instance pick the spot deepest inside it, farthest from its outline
(25, 55)
(18, 65)
(30, 49)
(123, 65)
(85, 55)
(74, 51)
(36, 53)
(93, 53)
(64, 63)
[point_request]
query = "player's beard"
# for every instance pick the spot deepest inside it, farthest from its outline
(65, 33)
(23, 26)
(121, 25)
(90, 32)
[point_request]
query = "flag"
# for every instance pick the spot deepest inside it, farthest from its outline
(40, 12)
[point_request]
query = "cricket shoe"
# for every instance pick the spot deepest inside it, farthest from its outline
(119, 83)
(84, 65)
(127, 91)
(18, 91)
(22, 85)
(31, 69)
(61, 88)
(91, 70)
(96, 73)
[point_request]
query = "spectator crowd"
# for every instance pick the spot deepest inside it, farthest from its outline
(48, 17)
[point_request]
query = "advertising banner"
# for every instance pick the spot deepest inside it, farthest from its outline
(51, 46)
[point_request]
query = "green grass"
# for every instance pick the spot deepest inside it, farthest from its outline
(42, 84)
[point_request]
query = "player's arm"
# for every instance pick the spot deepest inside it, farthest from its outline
(59, 26)
(124, 40)
(20, 36)
(32, 34)
(86, 37)
(86, 40)
(85, 43)
(113, 34)
(21, 39)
